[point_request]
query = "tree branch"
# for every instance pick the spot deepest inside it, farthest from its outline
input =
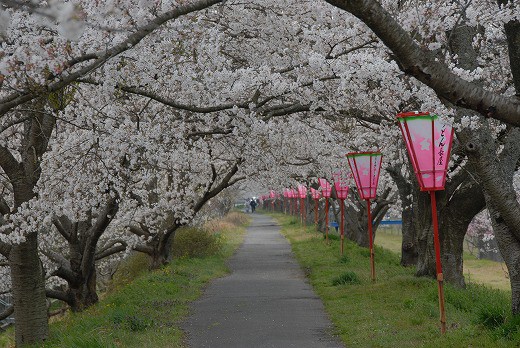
(58, 295)
(143, 249)
(15, 99)
(95, 232)
(423, 65)
(5, 249)
(57, 223)
(6, 313)
(111, 249)
(10, 165)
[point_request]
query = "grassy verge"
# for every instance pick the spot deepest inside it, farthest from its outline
(475, 271)
(398, 310)
(144, 309)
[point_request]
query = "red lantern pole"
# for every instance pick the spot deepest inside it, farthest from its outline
(316, 213)
(293, 206)
(327, 219)
(371, 243)
(342, 226)
(302, 211)
(341, 187)
(438, 265)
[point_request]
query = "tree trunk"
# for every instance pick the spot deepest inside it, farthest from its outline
(356, 220)
(84, 294)
(496, 174)
(509, 247)
(28, 288)
(161, 254)
(455, 212)
(409, 252)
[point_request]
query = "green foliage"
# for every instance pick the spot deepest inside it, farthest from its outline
(510, 329)
(344, 259)
(491, 317)
(60, 99)
(195, 242)
(333, 236)
(346, 278)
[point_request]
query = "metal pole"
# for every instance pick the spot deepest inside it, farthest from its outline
(371, 243)
(342, 226)
(327, 219)
(438, 265)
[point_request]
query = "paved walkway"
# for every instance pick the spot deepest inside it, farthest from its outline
(264, 302)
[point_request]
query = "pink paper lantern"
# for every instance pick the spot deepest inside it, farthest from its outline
(428, 141)
(326, 190)
(302, 191)
(365, 167)
(341, 186)
(315, 193)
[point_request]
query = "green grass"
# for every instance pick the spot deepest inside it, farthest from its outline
(143, 309)
(399, 309)
(480, 271)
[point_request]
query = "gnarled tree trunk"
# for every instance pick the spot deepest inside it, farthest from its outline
(496, 174)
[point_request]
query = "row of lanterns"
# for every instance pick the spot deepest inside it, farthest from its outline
(428, 141)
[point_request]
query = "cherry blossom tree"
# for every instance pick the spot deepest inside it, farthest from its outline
(36, 67)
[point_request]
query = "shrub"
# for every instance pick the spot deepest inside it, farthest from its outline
(491, 317)
(130, 268)
(333, 236)
(346, 278)
(510, 329)
(194, 242)
(237, 218)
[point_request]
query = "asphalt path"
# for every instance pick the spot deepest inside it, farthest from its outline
(264, 302)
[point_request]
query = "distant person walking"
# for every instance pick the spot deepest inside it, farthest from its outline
(252, 203)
